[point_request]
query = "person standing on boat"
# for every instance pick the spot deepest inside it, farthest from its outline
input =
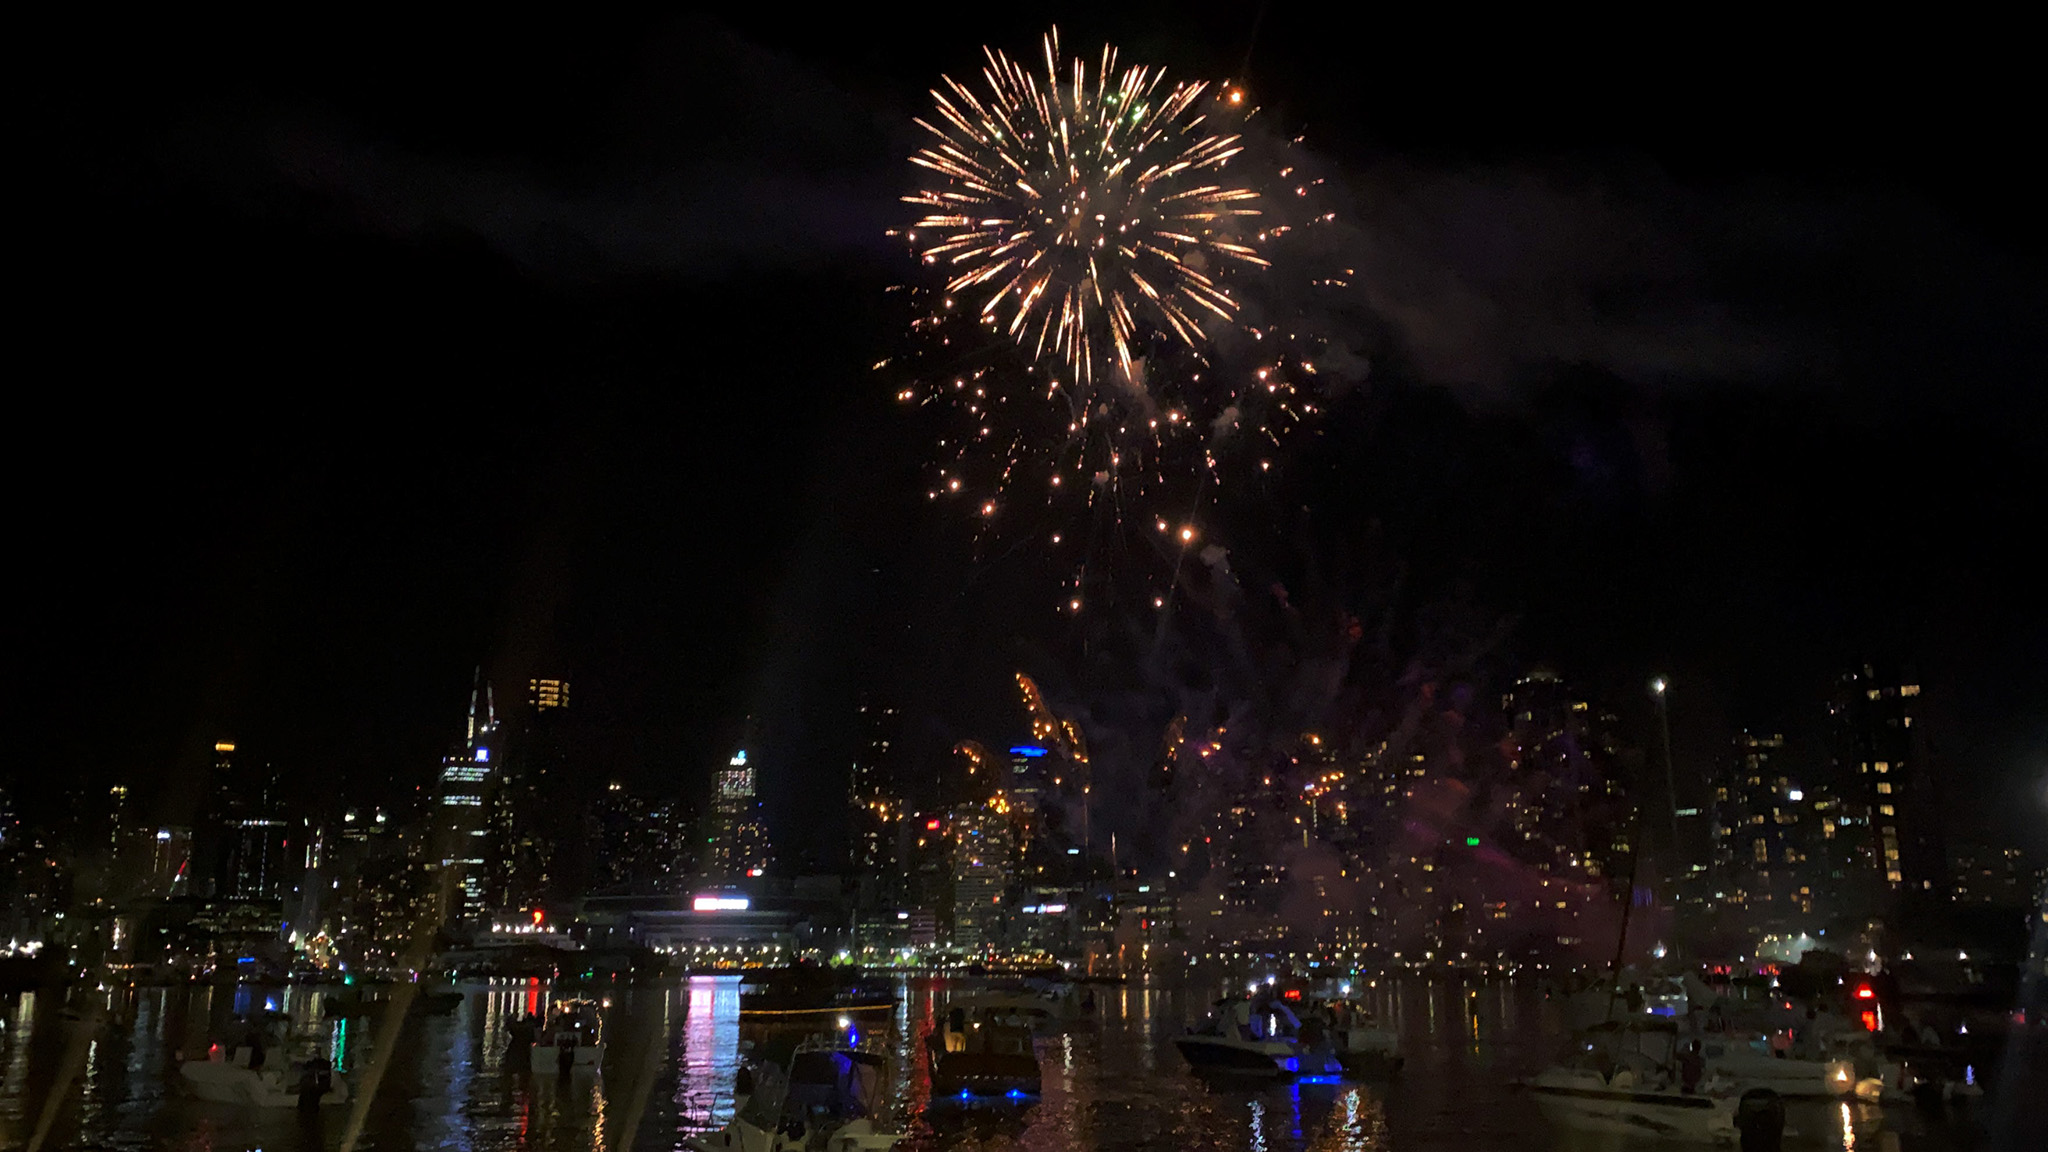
(519, 1041)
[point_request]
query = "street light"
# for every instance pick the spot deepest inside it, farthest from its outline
(1658, 688)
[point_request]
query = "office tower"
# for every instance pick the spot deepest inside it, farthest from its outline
(738, 843)
(466, 786)
(983, 861)
(1882, 762)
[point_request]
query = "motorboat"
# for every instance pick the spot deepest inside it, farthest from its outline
(1582, 1095)
(829, 1097)
(224, 1076)
(574, 1026)
(1357, 1040)
(982, 1047)
(1255, 1036)
(1632, 1077)
(1749, 1062)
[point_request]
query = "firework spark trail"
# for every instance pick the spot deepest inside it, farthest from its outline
(1082, 210)
(1105, 325)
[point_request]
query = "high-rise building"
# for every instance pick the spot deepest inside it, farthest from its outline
(544, 694)
(738, 843)
(526, 817)
(1569, 813)
(1881, 759)
(874, 800)
(983, 861)
(464, 827)
(170, 862)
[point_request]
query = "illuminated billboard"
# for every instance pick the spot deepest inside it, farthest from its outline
(720, 904)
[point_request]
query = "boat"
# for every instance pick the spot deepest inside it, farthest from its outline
(223, 1076)
(1748, 1061)
(831, 1095)
(1581, 1096)
(1360, 1045)
(1629, 1076)
(1261, 1036)
(982, 1047)
(574, 1025)
(809, 990)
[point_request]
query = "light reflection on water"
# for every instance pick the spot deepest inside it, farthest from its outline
(1112, 1082)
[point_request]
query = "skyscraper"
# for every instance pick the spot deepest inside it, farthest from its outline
(874, 800)
(983, 862)
(738, 844)
(1882, 763)
(466, 787)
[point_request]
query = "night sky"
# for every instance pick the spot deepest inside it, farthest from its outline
(353, 355)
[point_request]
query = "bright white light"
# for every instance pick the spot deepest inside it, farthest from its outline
(720, 904)
(1657, 685)
(845, 1022)
(1795, 794)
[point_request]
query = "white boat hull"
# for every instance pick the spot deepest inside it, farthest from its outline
(1792, 1079)
(1584, 1103)
(220, 1082)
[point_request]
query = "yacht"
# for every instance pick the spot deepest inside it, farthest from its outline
(573, 1025)
(982, 1046)
(830, 1096)
(1260, 1036)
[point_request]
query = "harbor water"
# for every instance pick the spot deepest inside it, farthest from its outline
(104, 1075)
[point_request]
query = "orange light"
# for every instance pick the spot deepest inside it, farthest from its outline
(536, 917)
(931, 825)
(1870, 1019)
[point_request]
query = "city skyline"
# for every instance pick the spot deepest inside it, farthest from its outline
(1837, 478)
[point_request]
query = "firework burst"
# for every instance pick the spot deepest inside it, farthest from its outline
(1101, 323)
(1082, 210)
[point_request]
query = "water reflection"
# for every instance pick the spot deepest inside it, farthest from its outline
(1111, 1081)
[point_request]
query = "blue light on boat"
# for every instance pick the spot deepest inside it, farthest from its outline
(964, 1093)
(1290, 1064)
(1015, 1093)
(1319, 1080)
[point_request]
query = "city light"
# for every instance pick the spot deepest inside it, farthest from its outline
(720, 904)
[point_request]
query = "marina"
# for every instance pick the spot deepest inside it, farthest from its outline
(670, 1076)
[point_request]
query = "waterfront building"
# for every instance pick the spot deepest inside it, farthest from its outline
(1882, 762)
(466, 787)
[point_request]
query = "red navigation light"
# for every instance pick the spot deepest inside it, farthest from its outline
(931, 825)
(536, 917)
(1291, 994)
(1865, 992)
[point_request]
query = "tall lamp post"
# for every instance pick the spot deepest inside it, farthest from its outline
(1659, 690)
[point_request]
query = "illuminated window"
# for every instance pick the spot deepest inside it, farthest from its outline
(1886, 810)
(1894, 877)
(1884, 787)
(1762, 854)
(1882, 766)
(1910, 690)
(1891, 853)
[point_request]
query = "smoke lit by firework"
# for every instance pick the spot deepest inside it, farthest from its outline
(1098, 239)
